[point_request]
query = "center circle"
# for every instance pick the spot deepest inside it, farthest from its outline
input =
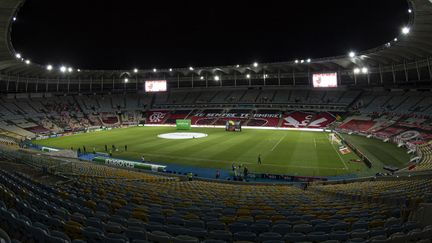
(182, 135)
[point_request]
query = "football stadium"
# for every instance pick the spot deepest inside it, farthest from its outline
(336, 148)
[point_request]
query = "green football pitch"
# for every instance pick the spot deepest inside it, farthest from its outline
(282, 152)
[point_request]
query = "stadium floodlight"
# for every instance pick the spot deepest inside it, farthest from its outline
(302, 61)
(248, 76)
(135, 70)
(27, 61)
(70, 69)
(126, 80)
(191, 68)
(352, 54)
(154, 70)
(265, 76)
(78, 70)
(237, 66)
(63, 69)
(255, 64)
(49, 67)
(170, 69)
(216, 78)
(356, 70)
(308, 60)
(18, 56)
(365, 70)
(14, 18)
(202, 77)
(409, 10)
(395, 39)
(405, 30)
(296, 61)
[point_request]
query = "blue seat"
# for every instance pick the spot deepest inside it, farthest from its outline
(135, 233)
(266, 236)
(244, 236)
(295, 237)
(237, 227)
(281, 228)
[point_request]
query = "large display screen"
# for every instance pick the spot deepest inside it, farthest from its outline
(325, 80)
(156, 86)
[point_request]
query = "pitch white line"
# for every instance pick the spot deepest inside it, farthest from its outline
(315, 143)
(280, 140)
(340, 157)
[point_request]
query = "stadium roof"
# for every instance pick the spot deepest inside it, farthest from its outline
(413, 47)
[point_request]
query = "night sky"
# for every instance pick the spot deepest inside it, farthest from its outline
(108, 34)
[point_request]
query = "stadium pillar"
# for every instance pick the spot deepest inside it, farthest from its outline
(381, 74)
(406, 72)
(17, 83)
(58, 84)
(429, 68)
(46, 85)
(393, 73)
(264, 77)
(235, 79)
(220, 79)
(79, 84)
(68, 87)
(418, 71)
(26, 85)
(37, 85)
(293, 76)
(178, 81)
(279, 83)
(206, 79)
(192, 79)
(91, 83)
(136, 82)
(7, 84)
(355, 79)
(113, 85)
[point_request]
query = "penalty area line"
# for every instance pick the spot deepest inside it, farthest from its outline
(280, 140)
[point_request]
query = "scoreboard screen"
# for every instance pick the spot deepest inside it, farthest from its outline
(325, 80)
(156, 86)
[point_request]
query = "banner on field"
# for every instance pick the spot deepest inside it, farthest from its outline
(183, 124)
(129, 164)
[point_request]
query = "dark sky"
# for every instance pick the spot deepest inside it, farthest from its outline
(108, 34)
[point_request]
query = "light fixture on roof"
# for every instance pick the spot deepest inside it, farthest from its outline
(27, 61)
(405, 30)
(365, 70)
(388, 44)
(14, 18)
(170, 69)
(202, 77)
(296, 61)
(409, 10)
(126, 80)
(265, 76)
(352, 54)
(18, 56)
(302, 61)
(135, 70)
(191, 68)
(395, 39)
(255, 64)
(248, 75)
(63, 69)
(308, 60)
(356, 70)
(49, 67)
(237, 66)
(216, 78)
(70, 69)
(154, 70)
(78, 70)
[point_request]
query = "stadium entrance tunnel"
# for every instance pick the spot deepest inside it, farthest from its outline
(182, 135)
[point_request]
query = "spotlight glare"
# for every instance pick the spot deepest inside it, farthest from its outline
(308, 60)
(356, 70)
(70, 69)
(248, 76)
(202, 77)
(395, 39)
(365, 70)
(78, 70)
(135, 70)
(126, 80)
(62, 69)
(302, 61)
(255, 64)
(409, 10)
(154, 70)
(352, 54)
(27, 61)
(216, 78)
(191, 68)
(18, 56)
(14, 18)
(237, 66)
(405, 30)
(49, 67)
(296, 61)
(170, 69)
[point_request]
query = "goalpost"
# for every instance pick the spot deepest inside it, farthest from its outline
(334, 139)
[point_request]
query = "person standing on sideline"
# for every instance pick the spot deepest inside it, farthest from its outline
(106, 148)
(84, 148)
(142, 158)
(259, 159)
(126, 148)
(110, 153)
(217, 174)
